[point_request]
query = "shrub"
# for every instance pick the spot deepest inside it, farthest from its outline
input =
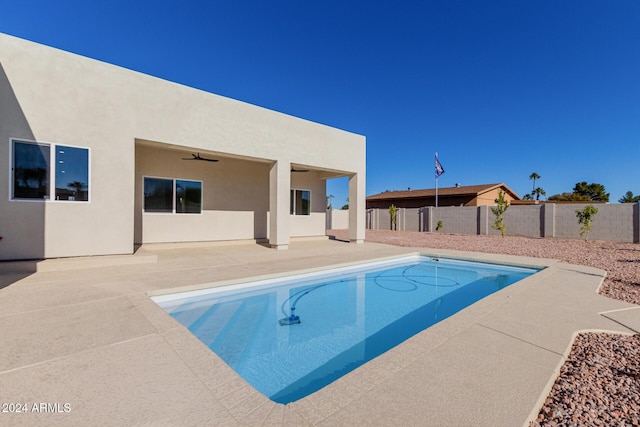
(585, 217)
(501, 207)
(393, 211)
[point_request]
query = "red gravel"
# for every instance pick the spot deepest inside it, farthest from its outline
(599, 384)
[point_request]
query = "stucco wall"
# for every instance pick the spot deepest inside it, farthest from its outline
(337, 219)
(488, 198)
(314, 224)
(235, 198)
(53, 96)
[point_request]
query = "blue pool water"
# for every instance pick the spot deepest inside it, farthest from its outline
(290, 337)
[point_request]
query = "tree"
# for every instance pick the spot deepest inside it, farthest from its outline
(595, 192)
(585, 217)
(393, 211)
(534, 176)
(77, 188)
(527, 197)
(329, 199)
(345, 207)
(501, 207)
(538, 192)
(568, 197)
(629, 198)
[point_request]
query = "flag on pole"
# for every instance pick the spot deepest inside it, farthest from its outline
(439, 168)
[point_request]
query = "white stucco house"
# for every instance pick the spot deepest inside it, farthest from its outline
(96, 159)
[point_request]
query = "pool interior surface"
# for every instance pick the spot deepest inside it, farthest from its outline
(290, 337)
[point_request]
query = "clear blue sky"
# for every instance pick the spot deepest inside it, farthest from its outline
(498, 88)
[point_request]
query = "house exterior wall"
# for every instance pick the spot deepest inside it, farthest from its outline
(418, 202)
(314, 224)
(48, 95)
(484, 199)
(235, 199)
(337, 219)
(489, 198)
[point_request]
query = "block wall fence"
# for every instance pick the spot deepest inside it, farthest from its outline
(615, 222)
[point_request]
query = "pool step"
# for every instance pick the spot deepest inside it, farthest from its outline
(214, 321)
(191, 312)
(233, 340)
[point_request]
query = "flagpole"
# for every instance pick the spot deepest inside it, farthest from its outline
(436, 182)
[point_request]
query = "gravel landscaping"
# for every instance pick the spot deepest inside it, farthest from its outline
(599, 384)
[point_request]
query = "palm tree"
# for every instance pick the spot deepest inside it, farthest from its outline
(527, 197)
(629, 198)
(539, 191)
(77, 188)
(534, 176)
(329, 199)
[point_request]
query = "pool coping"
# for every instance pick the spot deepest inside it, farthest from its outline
(543, 263)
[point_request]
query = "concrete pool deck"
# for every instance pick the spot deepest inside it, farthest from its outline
(83, 332)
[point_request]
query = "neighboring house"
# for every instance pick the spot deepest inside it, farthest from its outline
(469, 195)
(95, 159)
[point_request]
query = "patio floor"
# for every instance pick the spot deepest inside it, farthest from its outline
(83, 332)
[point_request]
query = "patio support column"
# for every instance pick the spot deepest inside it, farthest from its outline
(279, 193)
(357, 213)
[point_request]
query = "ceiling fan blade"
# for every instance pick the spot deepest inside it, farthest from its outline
(197, 157)
(299, 170)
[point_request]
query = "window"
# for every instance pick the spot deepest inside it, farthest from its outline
(188, 196)
(30, 170)
(300, 202)
(34, 178)
(158, 195)
(72, 173)
(161, 193)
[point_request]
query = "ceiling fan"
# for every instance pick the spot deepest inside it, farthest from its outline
(299, 170)
(197, 157)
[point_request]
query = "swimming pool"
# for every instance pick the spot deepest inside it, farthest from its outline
(291, 336)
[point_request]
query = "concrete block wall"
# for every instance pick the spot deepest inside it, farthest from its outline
(384, 219)
(614, 222)
(409, 219)
(522, 221)
(372, 222)
(456, 219)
